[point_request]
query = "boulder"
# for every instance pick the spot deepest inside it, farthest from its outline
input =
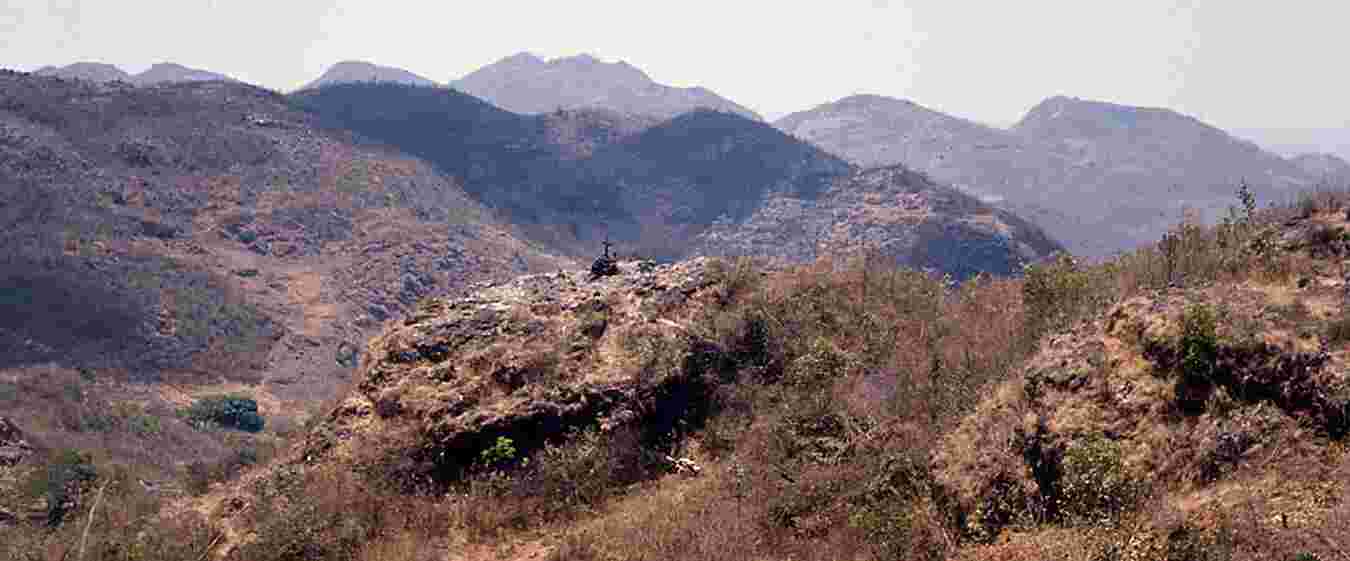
(13, 447)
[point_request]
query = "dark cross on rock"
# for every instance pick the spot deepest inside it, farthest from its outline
(604, 265)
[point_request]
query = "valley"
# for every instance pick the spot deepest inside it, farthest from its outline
(368, 320)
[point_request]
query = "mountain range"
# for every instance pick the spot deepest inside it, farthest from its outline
(703, 182)
(355, 322)
(212, 232)
(161, 73)
(1101, 177)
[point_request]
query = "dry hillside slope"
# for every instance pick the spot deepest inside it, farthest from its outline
(166, 243)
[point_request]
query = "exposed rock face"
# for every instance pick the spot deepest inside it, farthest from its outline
(524, 83)
(1099, 177)
(580, 133)
(361, 71)
(13, 447)
(525, 359)
(891, 212)
(1227, 421)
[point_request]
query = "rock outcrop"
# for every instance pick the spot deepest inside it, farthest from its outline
(527, 360)
(13, 447)
(890, 212)
(1201, 399)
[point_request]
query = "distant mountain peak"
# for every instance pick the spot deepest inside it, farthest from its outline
(347, 71)
(158, 73)
(91, 71)
(172, 72)
(1100, 176)
(525, 83)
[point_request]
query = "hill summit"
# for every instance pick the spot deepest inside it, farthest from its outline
(360, 71)
(159, 73)
(525, 83)
(1100, 177)
(705, 182)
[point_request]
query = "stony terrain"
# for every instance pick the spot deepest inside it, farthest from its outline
(528, 359)
(524, 83)
(207, 237)
(1223, 406)
(1201, 420)
(891, 212)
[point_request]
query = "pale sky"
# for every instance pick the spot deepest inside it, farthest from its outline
(1233, 63)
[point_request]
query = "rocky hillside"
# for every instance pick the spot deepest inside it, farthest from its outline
(530, 360)
(1198, 412)
(207, 233)
(360, 71)
(705, 182)
(1099, 177)
(524, 83)
(1190, 400)
(1203, 419)
(161, 73)
(893, 213)
(579, 133)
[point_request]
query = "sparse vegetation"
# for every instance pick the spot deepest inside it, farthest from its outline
(835, 410)
(1094, 487)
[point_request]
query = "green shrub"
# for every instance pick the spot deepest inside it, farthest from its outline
(1198, 344)
(1094, 487)
(1055, 293)
(819, 367)
(67, 471)
(500, 453)
(885, 509)
(575, 477)
(228, 411)
(143, 425)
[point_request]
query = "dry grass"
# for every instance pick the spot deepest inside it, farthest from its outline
(863, 412)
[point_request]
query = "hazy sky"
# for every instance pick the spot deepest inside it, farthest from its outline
(1233, 63)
